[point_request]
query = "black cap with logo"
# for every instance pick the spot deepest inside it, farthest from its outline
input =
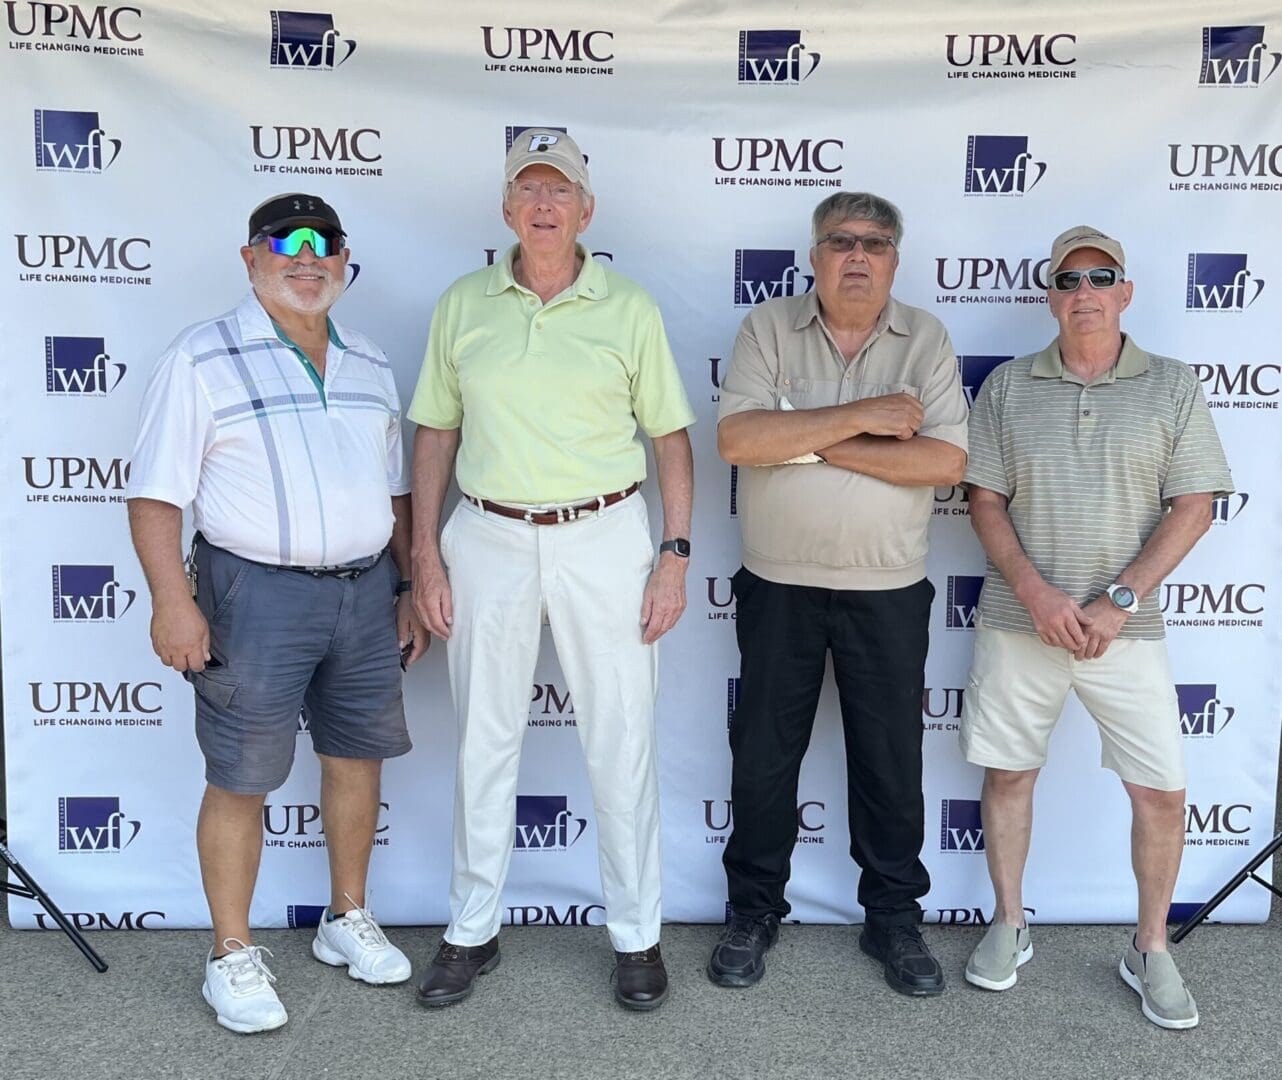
(295, 208)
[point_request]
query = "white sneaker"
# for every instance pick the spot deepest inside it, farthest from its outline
(238, 987)
(356, 940)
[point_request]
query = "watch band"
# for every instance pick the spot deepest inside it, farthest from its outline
(404, 586)
(679, 546)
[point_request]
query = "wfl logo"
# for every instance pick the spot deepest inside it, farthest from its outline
(1234, 56)
(732, 699)
(960, 826)
(1227, 507)
(305, 39)
(72, 142)
(87, 823)
(89, 594)
(765, 274)
(974, 370)
(301, 915)
(1220, 282)
(80, 366)
(774, 56)
(963, 599)
(1202, 713)
(734, 490)
(1000, 165)
(543, 823)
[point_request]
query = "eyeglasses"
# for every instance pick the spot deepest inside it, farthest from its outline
(559, 191)
(844, 243)
(324, 242)
(1100, 277)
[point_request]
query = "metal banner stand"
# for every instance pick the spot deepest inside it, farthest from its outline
(1248, 871)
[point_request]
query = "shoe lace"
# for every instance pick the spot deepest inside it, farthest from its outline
(745, 930)
(246, 969)
(360, 920)
(642, 957)
(450, 952)
(906, 936)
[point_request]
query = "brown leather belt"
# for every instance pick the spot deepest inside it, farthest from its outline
(558, 515)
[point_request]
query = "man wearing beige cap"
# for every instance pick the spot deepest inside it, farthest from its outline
(541, 372)
(847, 407)
(1093, 464)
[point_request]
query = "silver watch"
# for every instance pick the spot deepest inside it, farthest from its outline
(1123, 596)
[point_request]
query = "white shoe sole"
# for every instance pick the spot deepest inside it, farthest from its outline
(326, 955)
(1001, 984)
(1132, 980)
(238, 1027)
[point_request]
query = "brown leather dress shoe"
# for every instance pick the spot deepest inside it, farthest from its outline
(453, 972)
(641, 981)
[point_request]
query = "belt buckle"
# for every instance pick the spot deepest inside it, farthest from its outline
(528, 517)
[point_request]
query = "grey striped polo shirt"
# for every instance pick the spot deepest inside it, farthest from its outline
(1088, 468)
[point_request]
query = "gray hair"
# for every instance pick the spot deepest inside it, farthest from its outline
(857, 206)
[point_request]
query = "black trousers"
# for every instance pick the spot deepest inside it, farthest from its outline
(878, 641)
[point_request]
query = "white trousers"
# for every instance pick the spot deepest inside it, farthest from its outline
(587, 577)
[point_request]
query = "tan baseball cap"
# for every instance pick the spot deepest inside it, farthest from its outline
(544, 146)
(1084, 236)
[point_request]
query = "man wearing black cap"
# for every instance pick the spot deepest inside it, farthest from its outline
(282, 431)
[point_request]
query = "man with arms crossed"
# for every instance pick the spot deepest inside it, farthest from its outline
(1092, 469)
(864, 393)
(541, 372)
(282, 430)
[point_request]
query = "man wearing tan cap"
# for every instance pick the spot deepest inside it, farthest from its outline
(847, 407)
(1093, 464)
(541, 372)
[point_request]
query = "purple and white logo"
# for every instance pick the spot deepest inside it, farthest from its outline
(774, 56)
(732, 699)
(544, 823)
(72, 142)
(1001, 165)
(1236, 56)
(89, 594)
(301, 915)
(80, 367)
(963, 601)
(1219, 281)
(767, 273)
(960, 826)
(94, 823)
(1225, 508)
(974, 370)
(1202, 713)
(308, 40)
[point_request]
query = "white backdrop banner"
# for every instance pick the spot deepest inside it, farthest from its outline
(140, 135)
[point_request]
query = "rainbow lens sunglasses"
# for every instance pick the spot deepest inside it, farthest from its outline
(324, 242)
(1100, 277)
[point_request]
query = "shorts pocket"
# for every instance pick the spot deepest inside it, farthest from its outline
(218, 692)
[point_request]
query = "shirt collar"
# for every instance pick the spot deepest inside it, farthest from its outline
(591, 283)
(1131, 361)
(256, 325)
(891, 317)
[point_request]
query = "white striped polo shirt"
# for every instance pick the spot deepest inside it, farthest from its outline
(279, 466)
(1088, 469)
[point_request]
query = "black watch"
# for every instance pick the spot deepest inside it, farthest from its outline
(679, 547)
(404, 586)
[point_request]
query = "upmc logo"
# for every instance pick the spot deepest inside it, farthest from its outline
(960, 826)
(963, 600)
(61, 251)
(545, 43)
(985, 51)
(316, 144)
(1001, 165)
(1240, 386)
(743, 161)
(774, 56)
(544, 823)
(766, 274)
(1235, 55)
(992, 280)
(974, 369)
(80, 367)
(94, 823)
(1217, 819)
(89, 594)
(1202, 713)
(1220, 282)
(549, 915)
(1186, 603)
(65, 473)
(305, 39)
(72, 142)
(100, 920)
(95, 698)
(71, 21)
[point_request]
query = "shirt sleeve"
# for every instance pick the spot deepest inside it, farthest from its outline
(175, 430)
(943, 400)
(985, 466)
(659, 399)
(749, 382)
(1197, 462)
(398, 481)
(437, 401)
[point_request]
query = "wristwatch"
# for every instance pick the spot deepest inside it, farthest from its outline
(404, 586)
(1124, 597)
(679, 547)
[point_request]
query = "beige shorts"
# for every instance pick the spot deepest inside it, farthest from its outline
(1018, 686)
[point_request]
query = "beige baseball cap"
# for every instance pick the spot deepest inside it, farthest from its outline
(544, 146)
(1084, 236)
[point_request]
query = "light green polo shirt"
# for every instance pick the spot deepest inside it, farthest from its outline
(1089, 469)
(551, 396)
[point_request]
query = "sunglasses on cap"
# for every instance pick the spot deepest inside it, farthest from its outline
(1100, 277)
(324, 241)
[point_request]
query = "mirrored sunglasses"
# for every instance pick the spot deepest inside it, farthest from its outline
(1101, 277)
(324, 242)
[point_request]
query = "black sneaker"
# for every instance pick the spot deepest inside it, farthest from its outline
(739, 958)
(908, 965)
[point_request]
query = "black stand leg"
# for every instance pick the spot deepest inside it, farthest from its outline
(30, 890)
(1248, 871)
